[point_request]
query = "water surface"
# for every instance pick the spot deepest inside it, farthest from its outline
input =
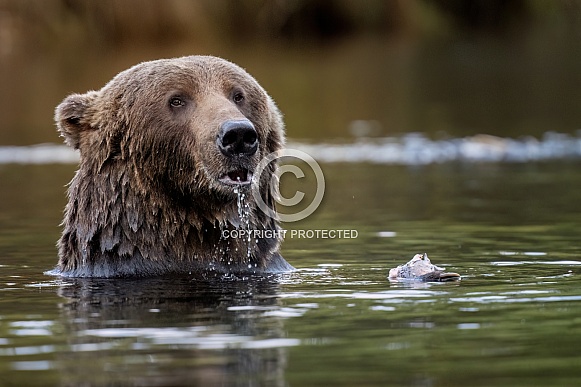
(511, 229)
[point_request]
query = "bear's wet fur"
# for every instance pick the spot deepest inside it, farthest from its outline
(165, 148)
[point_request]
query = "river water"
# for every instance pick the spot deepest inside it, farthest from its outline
(511, 229)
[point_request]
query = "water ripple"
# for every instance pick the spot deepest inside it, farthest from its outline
(199, 337)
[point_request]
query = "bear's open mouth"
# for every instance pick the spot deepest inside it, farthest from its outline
(237, 177)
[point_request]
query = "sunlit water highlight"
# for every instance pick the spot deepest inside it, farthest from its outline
(410, 149)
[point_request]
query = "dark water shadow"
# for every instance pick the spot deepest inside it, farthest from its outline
(172, 331)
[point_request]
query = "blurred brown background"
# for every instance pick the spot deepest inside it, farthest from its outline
(442, 67)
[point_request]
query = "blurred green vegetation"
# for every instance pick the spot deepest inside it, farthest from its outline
(111, 23)
(457, 67)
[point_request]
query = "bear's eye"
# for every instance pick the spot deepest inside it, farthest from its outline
(176, 102)
(238, 97)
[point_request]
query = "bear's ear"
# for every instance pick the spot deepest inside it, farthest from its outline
(72, 117)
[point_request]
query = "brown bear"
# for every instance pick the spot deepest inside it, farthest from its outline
(167, 154)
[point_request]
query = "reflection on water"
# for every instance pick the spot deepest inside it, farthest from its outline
(207, 332)
(510, 229)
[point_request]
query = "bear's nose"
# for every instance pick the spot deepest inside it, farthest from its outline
(237, 138)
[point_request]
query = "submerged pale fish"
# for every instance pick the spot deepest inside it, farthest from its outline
(420, 268)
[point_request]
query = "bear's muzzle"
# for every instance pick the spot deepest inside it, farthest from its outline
(237, 138)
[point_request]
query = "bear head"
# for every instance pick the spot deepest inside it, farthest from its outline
(166, 148)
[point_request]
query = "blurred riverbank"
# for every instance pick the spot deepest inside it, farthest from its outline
(442, 68)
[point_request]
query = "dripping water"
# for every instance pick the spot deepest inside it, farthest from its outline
(244, 215)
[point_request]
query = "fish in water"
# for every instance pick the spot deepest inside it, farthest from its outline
(421, 269)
